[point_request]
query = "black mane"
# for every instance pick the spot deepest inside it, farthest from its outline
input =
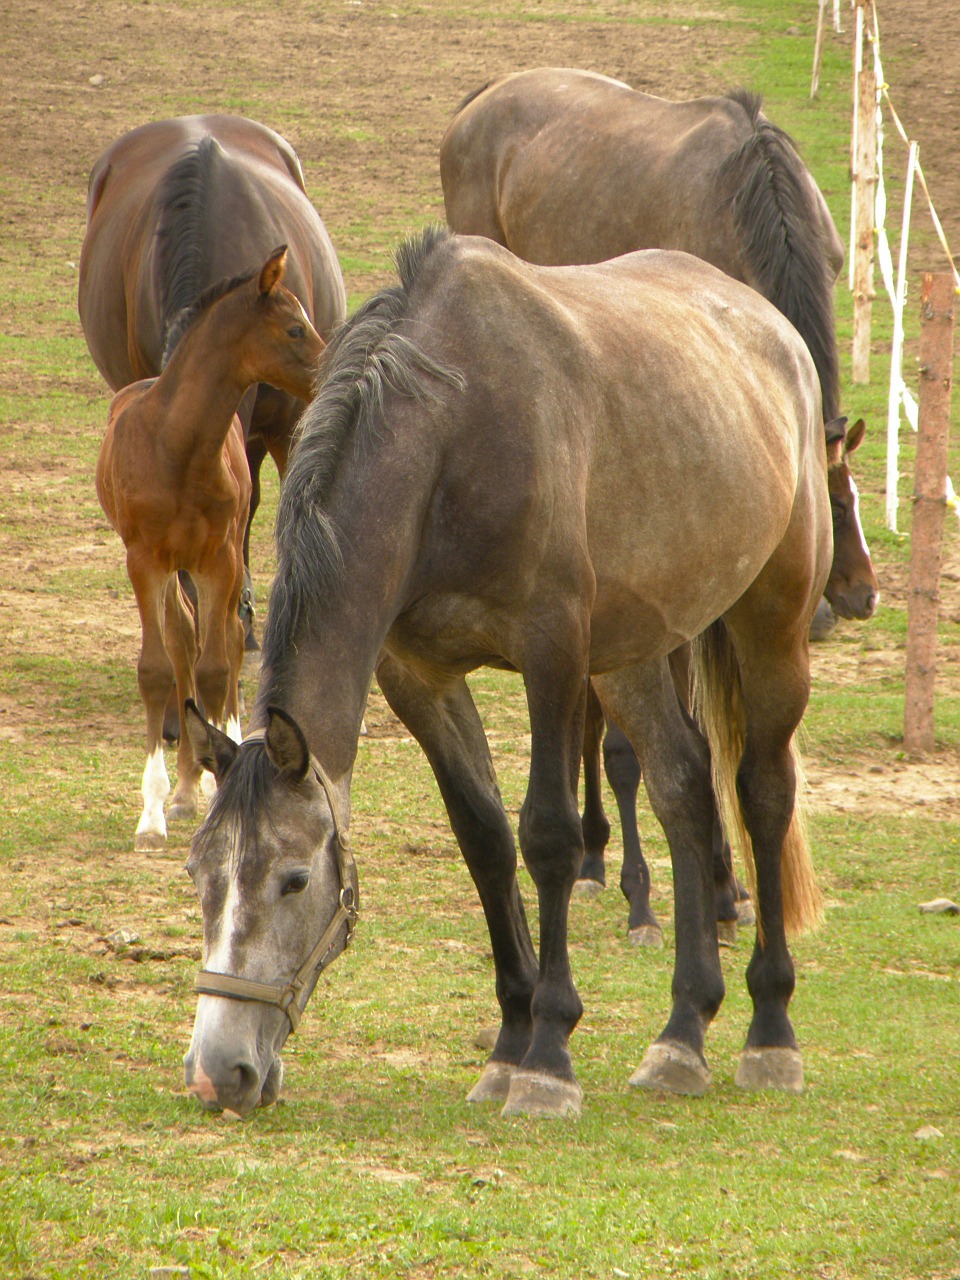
(188, 316)
(777, 218)
(365, 357)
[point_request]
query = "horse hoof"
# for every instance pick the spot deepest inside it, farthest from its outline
(178, 810)
(670, 1067)
(532, 1093)
(727, 933)
(771, 1068)
(494, 1083)
(149, 841)
(745, 912)
(646, 935)
(587, 888)
(486, 1038)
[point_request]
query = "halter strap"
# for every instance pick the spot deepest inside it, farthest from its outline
(286, 995)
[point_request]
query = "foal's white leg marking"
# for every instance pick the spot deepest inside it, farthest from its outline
(154, 788)
(233, 729)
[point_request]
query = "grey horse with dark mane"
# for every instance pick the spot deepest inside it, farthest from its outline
(567, 472)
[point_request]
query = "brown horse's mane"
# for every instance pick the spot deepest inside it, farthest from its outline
(775, 215)
(365, 356)
(187, 316)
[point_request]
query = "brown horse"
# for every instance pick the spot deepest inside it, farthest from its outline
(173, 480)
(568, 472)
(565, 166)
(175, 206)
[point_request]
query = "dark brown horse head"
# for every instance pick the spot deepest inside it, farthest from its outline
(269, 867)
(852, 587)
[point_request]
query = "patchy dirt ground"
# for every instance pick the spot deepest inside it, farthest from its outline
(364, 91)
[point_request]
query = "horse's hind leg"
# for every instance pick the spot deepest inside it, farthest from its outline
(676, 768)
(622, 768)
(446, 724)
(775, 686)
(596, 827)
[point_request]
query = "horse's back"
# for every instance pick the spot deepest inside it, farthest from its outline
(565, 166)
(657, 417)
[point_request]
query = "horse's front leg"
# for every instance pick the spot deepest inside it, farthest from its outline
(445, 722)
(551, 839)
(155, 678)
(596, 826)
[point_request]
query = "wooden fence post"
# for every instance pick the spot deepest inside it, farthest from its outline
(865, 186)
(818, 49)
(929, 508)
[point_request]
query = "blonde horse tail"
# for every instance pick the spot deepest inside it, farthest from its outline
(718, 707)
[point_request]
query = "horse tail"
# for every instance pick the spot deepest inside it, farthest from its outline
(474, 94)
(183, 203)
(718, 705)
(777, 219)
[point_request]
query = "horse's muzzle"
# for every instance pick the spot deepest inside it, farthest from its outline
(859, 602)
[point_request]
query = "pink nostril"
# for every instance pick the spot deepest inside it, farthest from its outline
(203, 1087)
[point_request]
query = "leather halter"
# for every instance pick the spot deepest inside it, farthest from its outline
(286, 995)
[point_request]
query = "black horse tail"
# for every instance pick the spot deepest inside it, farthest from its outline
(718, 707)
(182, 232)
(778, 221)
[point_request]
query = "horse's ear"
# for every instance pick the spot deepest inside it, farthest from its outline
(835, 430)
(211, 748)
(855, 436)
(271, 273)
(286, 746)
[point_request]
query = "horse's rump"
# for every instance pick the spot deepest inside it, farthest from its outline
(565, 167)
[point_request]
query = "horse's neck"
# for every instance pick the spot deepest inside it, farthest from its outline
(326, 693)
(200, 391)
(330, 659)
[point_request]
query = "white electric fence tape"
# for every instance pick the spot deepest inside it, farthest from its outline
(899, 394)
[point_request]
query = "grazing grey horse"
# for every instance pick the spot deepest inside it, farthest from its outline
(567, 472)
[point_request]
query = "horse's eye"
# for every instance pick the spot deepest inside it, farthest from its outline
(839, 513)
(296, 331)
(296, 884)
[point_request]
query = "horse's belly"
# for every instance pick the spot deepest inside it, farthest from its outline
(645, 616)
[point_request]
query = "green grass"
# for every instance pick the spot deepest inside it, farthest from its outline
(373, 1164)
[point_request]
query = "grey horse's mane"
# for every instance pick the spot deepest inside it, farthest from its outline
(365, 357)
(777, 220)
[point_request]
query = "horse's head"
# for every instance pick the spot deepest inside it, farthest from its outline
(278, 894)
(852, 587)
(284, 347)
